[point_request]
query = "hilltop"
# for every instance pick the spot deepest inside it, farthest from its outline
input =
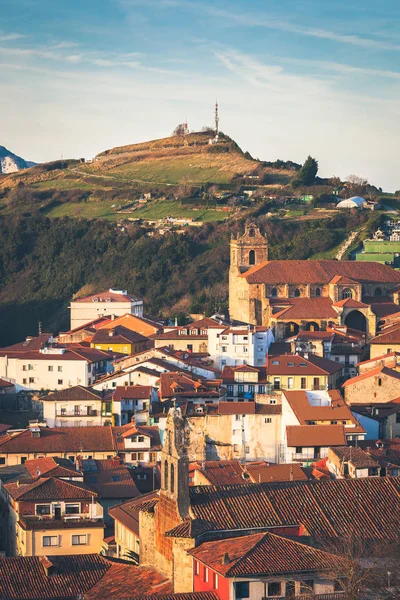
(11, 163)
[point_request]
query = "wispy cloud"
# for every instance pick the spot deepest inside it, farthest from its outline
(263, 20)
(9, 37)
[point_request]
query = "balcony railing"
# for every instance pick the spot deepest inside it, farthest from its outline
(63, 522)
(73, 413)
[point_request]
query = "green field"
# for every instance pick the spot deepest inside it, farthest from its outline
(100, 209)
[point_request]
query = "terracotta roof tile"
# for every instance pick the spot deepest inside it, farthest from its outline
(127, 512)
(50, 466)
(389, 336)
(313, 406)
(319, 272)
(372, 373)
(127, 581)
(49, 488)
(315, 435)
(77, 392)
(129, 392)
(307, 308)
(109, 479)
(60, 439)
(262, 554)
(262, 472)
(108, 296)
(117, 335)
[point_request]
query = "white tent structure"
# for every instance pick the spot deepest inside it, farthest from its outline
(354, 202)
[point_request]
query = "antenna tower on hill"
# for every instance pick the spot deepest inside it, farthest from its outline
(216, 117)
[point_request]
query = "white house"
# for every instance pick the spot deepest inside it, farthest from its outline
(33, 366)
(77, 406)
(133, 401)
(111, 303)
(239, 345)
(138, 445)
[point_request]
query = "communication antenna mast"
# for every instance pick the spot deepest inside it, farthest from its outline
(216, 118)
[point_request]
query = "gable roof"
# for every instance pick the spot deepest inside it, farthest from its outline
(262, 554)
(75, 393)
(59, 439)
(262, 472)
(49, 488)
(117, 335)
(109, 295)
(132, 392)
(325, 509)
(307, 308)
(372, 373)
(319, 272)
(389, 336)
(127, 513)
(109, 478)
(51, 466)
(307, 406)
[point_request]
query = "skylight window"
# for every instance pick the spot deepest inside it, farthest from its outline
(275, 362)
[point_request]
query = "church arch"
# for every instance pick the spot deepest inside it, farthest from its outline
(347, 293)
(356, 320)
(312, 326)
(291, 329)
(274, 292)
(252, 257)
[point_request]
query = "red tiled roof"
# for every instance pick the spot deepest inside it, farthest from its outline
(319, 272)
(390, 336)
(117, 335)
(219, 472)
(237, 408)
(132, 392)
(24, 577)
(350, 303)
(50, 466)
(183, 596)
(49, 488)
(150, 431)
(262, 554)
(129, 581)
(109, 479)
(325, 509)
(312, 365)
(262, 472)
(127, 513)
(108, 295)
(307, 308)
(178, 384)
(308, 436)
(305, 411)
(372, 373)
(59, 439)
(77, 353)
(75, 393)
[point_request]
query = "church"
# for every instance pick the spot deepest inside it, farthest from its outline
(294, 295)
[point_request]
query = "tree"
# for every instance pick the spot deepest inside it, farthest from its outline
(356, 186)
(308, 172)
(179, 130)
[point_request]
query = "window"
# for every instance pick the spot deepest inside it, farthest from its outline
(274, 588)
(224, 348)
(379, 381)
(23, 459)
(197, 567)
(242, 589)
(77, 409)
(252, 257)
(60, 382)
(205, 574)
(241, 389)
(334, 422)
(79, 540)
(140, 438)
(261, 389)
(238, 417)
(137, 456)
(236, 448)
(24, 381)
(190, 347)
(317, 291)
(316, 383)
(290, 382)
(59, 368)
(299, 449)
(337, 358)
(267, 420)
(388, 351)
(2, 460)
(42, 509)
(72, 509)
(397, 421)
(63, 412)
(274, 292)
(50, 540)
(297, 293)
(247, 449)
(172, 484)
(251, 389)
(275, 362)
(215, 581)
(303, 383)
(230, 389)
(165, 475)
(31, 380)
(24, 368)
(50, 368)
(347, 293)
(277, 383)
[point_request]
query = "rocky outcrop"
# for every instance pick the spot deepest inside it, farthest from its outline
(10, 163)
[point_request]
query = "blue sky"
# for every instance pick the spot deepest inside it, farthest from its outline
(292, 77)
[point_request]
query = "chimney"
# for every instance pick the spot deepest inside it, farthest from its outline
(111, 332)
(225, 559)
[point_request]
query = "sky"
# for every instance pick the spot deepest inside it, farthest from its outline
(292, 78)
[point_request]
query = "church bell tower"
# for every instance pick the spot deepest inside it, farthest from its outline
(248, 250)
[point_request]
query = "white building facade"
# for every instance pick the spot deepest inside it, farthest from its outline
(106, 304)
(239, 345)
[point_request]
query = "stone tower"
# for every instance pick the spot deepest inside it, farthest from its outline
(249, 249)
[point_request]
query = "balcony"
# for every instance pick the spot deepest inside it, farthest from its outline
(72, 413)
(29, 522)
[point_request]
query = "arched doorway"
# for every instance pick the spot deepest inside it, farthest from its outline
(356, 320)
(312, 326)
(291, 329)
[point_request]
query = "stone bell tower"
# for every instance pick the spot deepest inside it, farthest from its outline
(249, 249)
